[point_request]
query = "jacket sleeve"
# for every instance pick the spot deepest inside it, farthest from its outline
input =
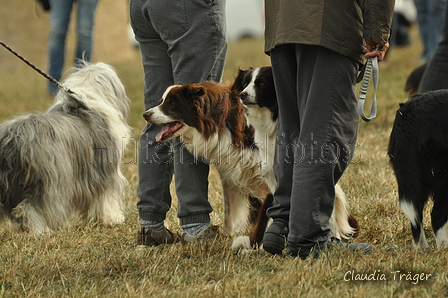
(377, 19)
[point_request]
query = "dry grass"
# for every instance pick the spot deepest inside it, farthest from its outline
(98, 261)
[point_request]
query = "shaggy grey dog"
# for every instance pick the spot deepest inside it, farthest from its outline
(65, 163)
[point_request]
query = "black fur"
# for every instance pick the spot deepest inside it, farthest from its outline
(418, 152)
(264, 88)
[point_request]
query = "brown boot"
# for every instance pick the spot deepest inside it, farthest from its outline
(149, 237)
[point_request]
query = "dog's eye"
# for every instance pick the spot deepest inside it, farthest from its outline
(260, 83)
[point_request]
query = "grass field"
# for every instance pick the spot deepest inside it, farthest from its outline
(94, 261)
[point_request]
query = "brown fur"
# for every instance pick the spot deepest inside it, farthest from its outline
(215, 128)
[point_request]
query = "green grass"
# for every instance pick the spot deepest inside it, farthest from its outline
(92, 261)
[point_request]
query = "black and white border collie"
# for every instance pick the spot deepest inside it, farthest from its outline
(215, 126)
(257, 94)
(418, 152)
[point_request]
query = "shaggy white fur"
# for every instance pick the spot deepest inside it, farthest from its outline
(65, 163)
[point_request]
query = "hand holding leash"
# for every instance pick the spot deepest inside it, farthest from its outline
(375, 52)
(375, 49)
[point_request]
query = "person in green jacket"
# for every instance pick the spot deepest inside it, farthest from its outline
(316, 50)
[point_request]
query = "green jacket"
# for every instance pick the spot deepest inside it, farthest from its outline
(339, 25)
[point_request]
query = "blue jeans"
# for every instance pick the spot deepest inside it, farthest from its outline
(430, 16)
(59, 21)
(318, 125)
(182, 42)
(436, 73)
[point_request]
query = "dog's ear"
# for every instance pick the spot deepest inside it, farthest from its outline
(190, 91)
(238, 83)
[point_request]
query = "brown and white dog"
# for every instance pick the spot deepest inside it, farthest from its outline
(209, 119)
(211, 122)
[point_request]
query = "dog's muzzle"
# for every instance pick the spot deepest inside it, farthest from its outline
(243, 95)
(147, 115)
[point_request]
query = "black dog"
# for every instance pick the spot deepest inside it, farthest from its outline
(418, 152)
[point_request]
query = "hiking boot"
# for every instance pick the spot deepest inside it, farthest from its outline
(274, 238)
(293, 250)
(149, 237)
(210, 232)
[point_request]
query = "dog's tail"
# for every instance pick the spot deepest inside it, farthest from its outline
(343, 225)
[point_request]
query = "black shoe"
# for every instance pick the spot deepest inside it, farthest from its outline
(293, 250)
(274, 240)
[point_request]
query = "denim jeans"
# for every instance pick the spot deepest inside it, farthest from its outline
(430, 16)
(59, 20)
(318, 125)
(181, 42)
(436, 73)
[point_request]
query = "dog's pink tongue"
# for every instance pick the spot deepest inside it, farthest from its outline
(167, 130)
(159, 136)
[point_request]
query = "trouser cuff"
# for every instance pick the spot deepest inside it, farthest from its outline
(195, 218)
(151, 216)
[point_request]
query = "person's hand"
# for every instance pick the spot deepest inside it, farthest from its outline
(380, 51)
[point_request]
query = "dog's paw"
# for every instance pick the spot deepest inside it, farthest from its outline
(114, 219)
(241, 244)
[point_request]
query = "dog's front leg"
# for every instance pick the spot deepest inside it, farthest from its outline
(236, 208)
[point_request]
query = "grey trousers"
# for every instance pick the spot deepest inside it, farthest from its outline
(318, 124)
(181, 42)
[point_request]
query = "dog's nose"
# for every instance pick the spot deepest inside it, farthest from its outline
(243, 95)
(147, 115)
